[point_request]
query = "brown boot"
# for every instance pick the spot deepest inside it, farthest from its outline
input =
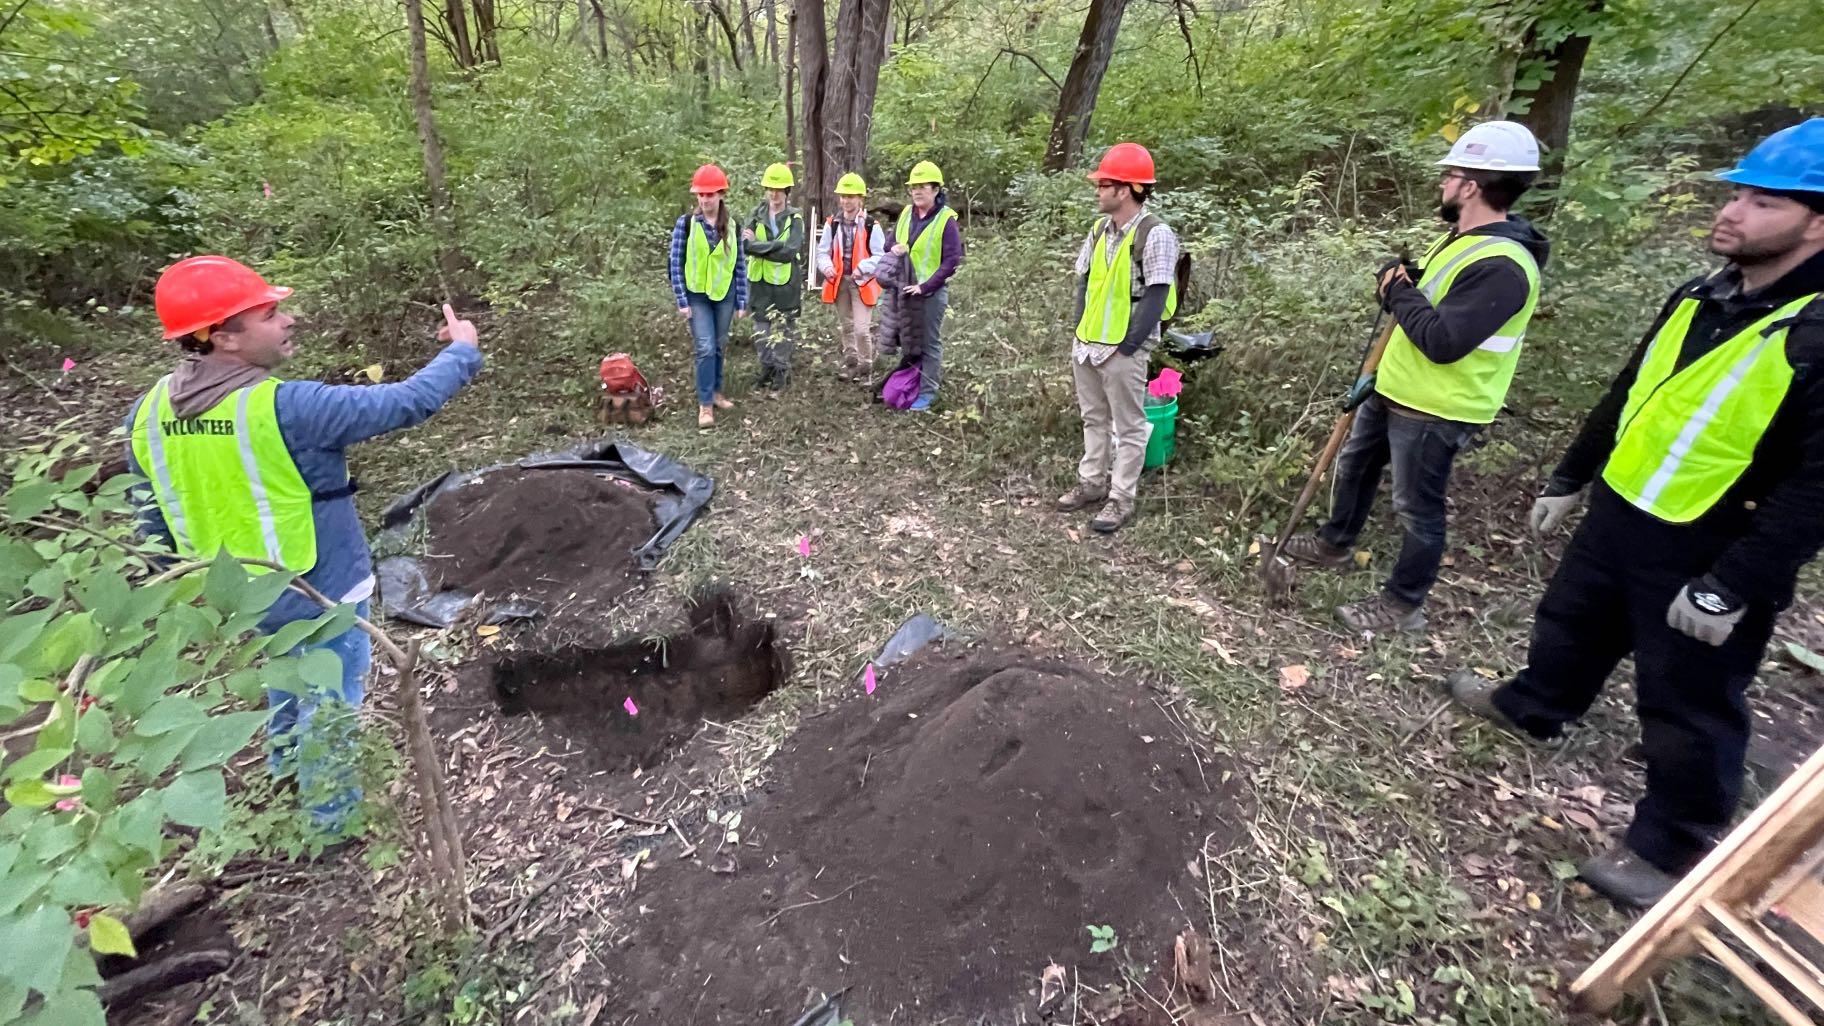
(1381, 614)
(1309, 548)
(1114, 513)
(706, 416)
(722, 403)
(1084, 494)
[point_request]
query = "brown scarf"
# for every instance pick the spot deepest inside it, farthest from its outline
(199, 382)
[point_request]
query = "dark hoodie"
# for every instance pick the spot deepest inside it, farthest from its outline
(1484, 296)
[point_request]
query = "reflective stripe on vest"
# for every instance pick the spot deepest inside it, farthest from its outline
(225, 480)
(928, 252)
(772, 272)
(1685, 438)
(708, 271)
(1470, 390)
(1106, 307)
(870, 289)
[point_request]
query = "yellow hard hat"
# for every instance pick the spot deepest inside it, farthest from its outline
(925, 173)
(851, 185)
(777, 176)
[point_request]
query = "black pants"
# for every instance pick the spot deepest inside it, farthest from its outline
(1608, 598)
(1421, 452)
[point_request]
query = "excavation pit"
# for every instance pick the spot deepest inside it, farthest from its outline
(632, 703)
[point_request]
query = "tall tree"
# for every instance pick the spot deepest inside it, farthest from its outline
(1547, 76)
(456, 37)
(449, 259)
(839, 87)
(1077, 99)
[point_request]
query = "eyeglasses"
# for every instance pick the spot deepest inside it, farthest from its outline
(1448, 175)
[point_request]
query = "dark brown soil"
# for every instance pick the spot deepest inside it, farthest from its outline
(564, 538)
(933, 846)
(720, 668)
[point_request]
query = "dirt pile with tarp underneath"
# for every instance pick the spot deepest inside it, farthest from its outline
(932, 847)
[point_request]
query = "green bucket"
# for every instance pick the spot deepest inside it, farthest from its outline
(1163, 416)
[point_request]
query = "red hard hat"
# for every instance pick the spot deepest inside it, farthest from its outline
(709, 178)
(203, 291)
(1126, 162)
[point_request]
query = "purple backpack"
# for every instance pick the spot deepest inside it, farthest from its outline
(901, 388)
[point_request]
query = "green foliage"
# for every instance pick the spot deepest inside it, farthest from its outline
(1102, 938)
(116, 682)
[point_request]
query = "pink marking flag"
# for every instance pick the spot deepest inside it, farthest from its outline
(867, 678)
(266, 187)
(68, 365)
(632, 710)
(804, 545)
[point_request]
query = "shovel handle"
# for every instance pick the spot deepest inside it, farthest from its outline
(1338, 432)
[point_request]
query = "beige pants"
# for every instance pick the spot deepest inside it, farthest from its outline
(856, 319)
(1112, 398)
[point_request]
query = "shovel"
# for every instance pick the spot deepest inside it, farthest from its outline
(1276, 575)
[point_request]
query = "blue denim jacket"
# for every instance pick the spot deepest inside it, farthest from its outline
(318, 422)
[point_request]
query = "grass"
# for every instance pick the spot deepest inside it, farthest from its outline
(1399, 865)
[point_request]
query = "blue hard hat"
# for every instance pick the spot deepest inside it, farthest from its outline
(1789, 160)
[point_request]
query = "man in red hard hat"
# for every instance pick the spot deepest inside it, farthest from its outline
(239, 460)
(1126, 286)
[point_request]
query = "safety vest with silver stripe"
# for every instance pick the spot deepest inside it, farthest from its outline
(225, 480)
(1470, 390)
(1686, 437)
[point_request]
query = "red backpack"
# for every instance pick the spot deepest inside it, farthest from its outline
(619, 375)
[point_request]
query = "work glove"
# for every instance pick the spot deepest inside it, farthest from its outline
(1383, 286)
(1706, 610)
(1550, 512)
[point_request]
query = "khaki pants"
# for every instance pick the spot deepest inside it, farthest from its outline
(1112, 398)
(855, 320)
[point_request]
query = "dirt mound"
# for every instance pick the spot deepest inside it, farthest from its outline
(720, 668)
(933, 846)
(562, 537)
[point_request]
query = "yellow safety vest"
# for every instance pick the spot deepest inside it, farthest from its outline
(225, 480)
(772, 272)
(1472, 389)
(708, 271)
(1685, 438)
(1108, 298)
(928, 252)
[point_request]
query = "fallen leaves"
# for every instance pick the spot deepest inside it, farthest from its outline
(1293, 677)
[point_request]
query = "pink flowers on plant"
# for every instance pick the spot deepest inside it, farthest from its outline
(72, 802)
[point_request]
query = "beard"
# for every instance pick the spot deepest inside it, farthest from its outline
(1450, 210)
(1751, 252)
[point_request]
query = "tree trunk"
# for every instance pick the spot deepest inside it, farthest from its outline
(486, 37)
(747, 32)
(456, 19)
(1077, 100)
(1559, 63)
(791, 102)
(728, 30)
(770, 8)
(449, 260)
(839, 90)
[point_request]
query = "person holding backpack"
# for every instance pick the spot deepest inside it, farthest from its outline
(774, 242)
(928, 237)
(709, 280)
(1127, 285)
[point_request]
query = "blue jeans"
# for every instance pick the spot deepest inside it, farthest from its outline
(931, 322)
(1421, 452)
(314, 734)
(709, 320)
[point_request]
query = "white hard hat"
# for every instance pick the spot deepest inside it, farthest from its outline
(1495, 146)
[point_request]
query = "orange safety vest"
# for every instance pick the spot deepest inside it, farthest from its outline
(870, 289)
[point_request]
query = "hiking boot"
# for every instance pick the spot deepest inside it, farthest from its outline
(1309, 548)
(722, 403)
(781, 378)
(1114, 513)
(1381, 614)
(765, 378)
(1625, 878)
(1476, 694)
(706, 416)
(1084, 494)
